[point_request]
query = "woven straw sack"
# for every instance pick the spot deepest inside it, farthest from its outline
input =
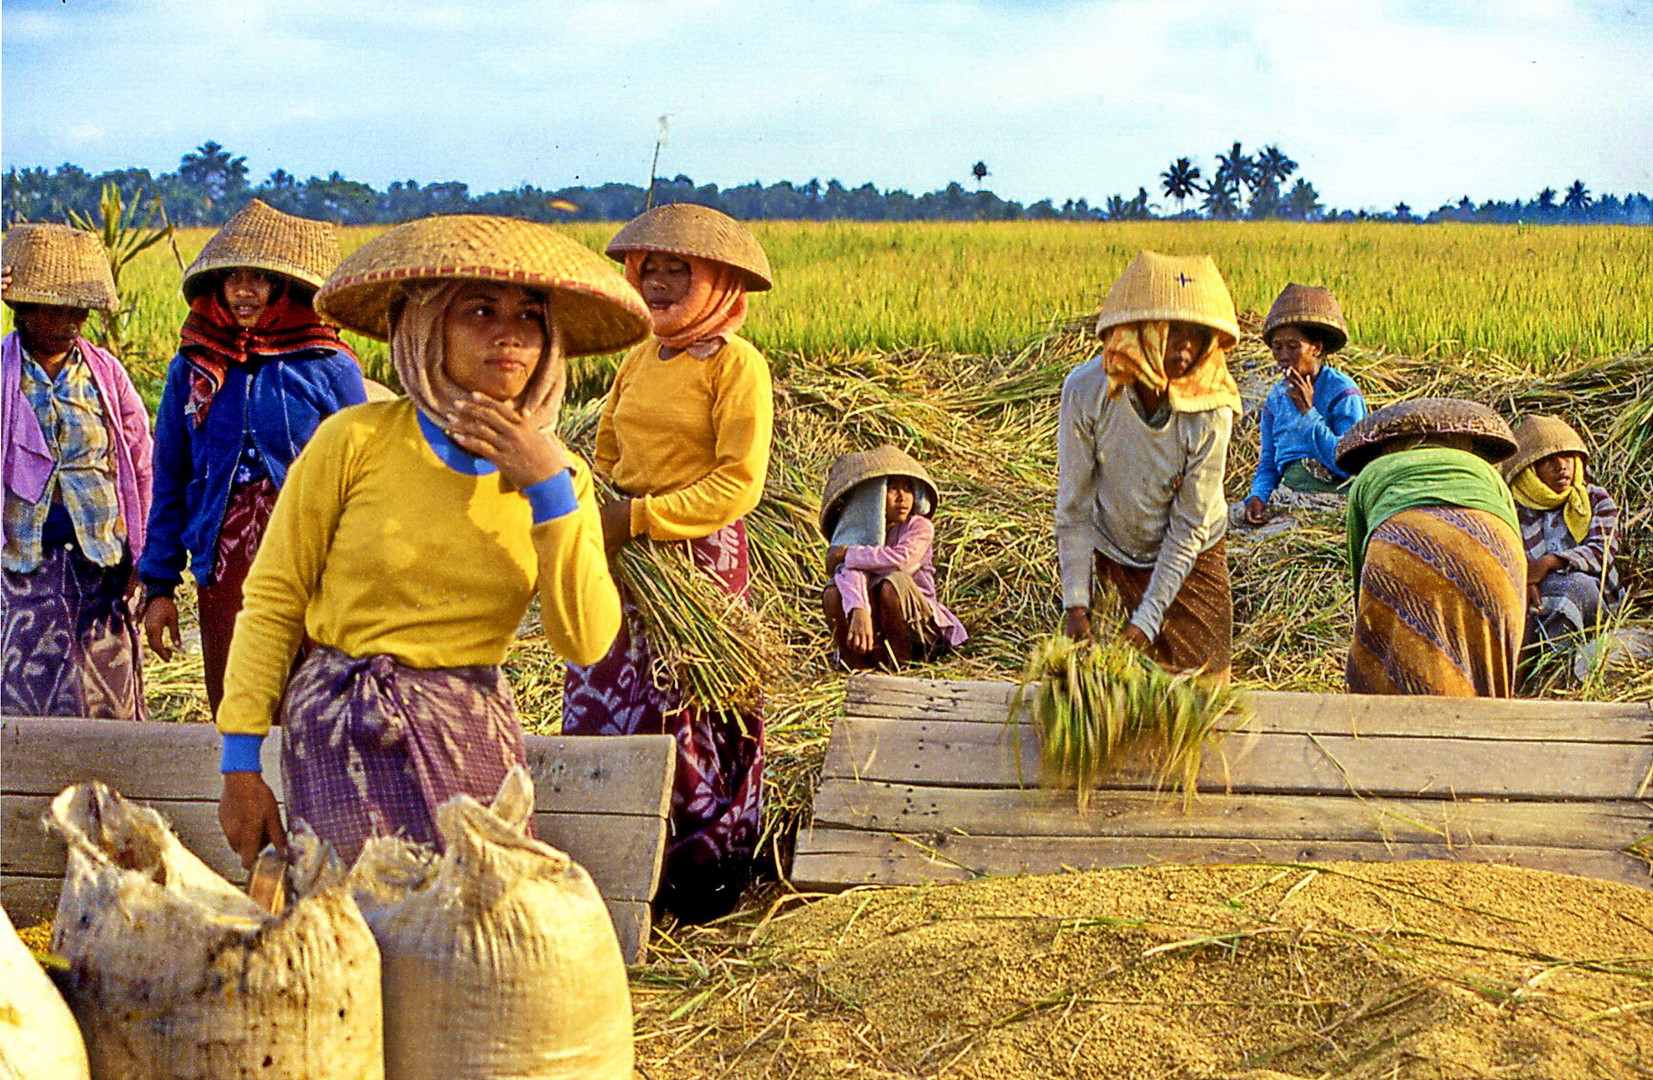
(58, 265)
(596, 309)
(1171, 288)
(174, 972)
(1425, 418)
(1537, 437)
(692, 229)
(263, 238)
(1308, 305)
(851, 470)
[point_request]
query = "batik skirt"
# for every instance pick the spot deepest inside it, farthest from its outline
(69, 640)
(1197, 633)
(245, 520)
(371, 747)
(716, 813)
(1441, 606)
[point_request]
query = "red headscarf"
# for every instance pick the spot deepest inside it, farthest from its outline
(211, 339)
(714, 306)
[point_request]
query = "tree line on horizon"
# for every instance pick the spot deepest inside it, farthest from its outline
(210, 184)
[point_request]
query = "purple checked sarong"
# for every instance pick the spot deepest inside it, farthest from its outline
(717, 812)
(371, 747)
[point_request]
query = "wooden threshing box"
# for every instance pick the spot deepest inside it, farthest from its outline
(601, 799)
(925, 782)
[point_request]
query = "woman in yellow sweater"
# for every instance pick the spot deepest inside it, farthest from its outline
(684, 436)
(411, 535)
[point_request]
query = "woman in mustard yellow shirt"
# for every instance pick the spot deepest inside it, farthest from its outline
(412, 534)
(684, 436)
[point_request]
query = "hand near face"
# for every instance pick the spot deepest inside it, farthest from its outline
(1300, 388)
(495, 430)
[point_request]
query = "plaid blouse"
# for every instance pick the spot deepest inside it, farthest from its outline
(72, 420)
(1544, 532)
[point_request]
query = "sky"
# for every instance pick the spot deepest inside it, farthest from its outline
(1378, 101)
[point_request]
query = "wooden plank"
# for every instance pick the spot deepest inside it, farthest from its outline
(834, 859)
(892, 697)
(963, 754)
(1606, 826)
(29, 899)
(602, 774)
(620, 852)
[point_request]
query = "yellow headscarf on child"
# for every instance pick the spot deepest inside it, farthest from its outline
(1135, 352)
(1535, 494)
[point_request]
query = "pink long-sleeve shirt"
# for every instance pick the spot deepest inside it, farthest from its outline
(907, 550)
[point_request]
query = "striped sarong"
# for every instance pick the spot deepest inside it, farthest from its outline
(245, 520)
(717, 810)
(69, 640)
(1441, 606)
(1198, 631)
(371, 747)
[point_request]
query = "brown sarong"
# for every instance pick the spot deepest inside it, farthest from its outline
(1198, 631)
(245, 520)
(1441, 606)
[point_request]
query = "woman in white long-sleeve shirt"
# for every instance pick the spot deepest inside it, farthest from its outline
(1141, 447)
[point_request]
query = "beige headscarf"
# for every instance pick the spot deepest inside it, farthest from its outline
(417, 352)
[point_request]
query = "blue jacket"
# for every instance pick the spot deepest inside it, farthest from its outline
(1289, 435)
(276, 404)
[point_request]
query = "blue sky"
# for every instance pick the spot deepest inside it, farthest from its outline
(1378, 100)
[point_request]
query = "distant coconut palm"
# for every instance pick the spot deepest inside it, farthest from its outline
(1181, 180)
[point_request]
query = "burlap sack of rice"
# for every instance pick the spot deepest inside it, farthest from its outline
(38, 1036)
(500, 959)
(173, 972)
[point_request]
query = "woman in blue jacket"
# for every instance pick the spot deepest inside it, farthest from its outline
(255, 373)
(1312, 405)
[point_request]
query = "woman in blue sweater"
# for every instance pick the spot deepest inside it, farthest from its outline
(256, 372)
(1311, 407)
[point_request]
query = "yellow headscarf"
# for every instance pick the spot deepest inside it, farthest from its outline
(1135, 352)
(1535, 494)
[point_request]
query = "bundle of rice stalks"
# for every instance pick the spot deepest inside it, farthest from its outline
(1092, 703)
(712, 648)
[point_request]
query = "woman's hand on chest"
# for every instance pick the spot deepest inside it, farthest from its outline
(497, 432)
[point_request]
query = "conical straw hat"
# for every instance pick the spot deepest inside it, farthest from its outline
(1308, 305)
(1536, 438)
(1171, 288)
(58, 265)
(263, 238)
(1425, 418)
(853, 469)
(692, 229)
(597, 310)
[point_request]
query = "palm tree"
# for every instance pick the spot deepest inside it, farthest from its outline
(1302, 202)
(1403, 212)
(212, 169)
(1577, 198)
(1233, 169)
(979, 171)
(1546, 198)
(1180, 180)
(1272, 165)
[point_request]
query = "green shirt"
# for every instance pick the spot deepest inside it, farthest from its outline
(1425, 476)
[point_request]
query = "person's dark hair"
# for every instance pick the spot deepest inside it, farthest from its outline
(1320, 335)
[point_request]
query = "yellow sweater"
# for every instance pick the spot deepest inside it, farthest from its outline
(687, 438)
(378, 548)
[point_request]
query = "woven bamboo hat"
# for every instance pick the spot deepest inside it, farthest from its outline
(263, 238)
(1425, 418)
(1536, 438)
(1171, 288)
(57, 265)
(1308, 305)
(692, 229)
(851, 470)
(595, 308)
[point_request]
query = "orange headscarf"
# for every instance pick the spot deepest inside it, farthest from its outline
(714, 306)
(1135, 352)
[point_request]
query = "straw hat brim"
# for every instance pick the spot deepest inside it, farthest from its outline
(1537, 438)
(854, 469)
(260, 237)
(596, 310)
(1339, 336)
(689, 229)
(1425, 418)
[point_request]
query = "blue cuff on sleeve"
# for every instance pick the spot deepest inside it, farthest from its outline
(241, 754)
(552, 497)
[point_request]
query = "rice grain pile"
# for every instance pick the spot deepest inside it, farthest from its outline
(1398, 971)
